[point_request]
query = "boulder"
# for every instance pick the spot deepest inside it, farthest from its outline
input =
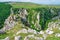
(39, 38)
(32, 31)
(59, 28)
(45, 36)
(31, 36)
(35, 32)
(26, 38)
(9, 23)
(18, 38)
(2, 32)
(9, 26)
(41, 32)
(7, 38)
(57, 35)
(25, 22)
(49, 32)
(22, 31)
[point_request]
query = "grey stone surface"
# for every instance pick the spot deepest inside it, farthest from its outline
(2, 32)
(7, 38)
(18, 38)
(9, 23)
(41, 32)
(26, 38)
(45, 36)
(49, 31)
(57, 35)
(22, 31)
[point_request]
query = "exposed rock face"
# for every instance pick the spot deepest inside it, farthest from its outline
(7, 38)
(18, 38)
(25, 22)
(2, 31)
(27, 31)
(57, 35)
(59, 28)
(23, 13)
(9, 23)
(35, 18)
(34, 37)
(39, 38)
(26, 38)
(49, 31)
(54, 24)
(38, 17)
(22, 31)
(29, 36)
(32, 31)
(45, 36)
(41, 32)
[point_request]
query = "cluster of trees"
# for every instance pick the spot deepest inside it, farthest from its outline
(4, 13)
(46, 15)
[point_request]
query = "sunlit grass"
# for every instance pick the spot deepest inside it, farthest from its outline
(32, 5)
(52, 37)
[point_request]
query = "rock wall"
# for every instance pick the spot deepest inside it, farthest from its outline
(9, 22)
(37, 18)
(33, 18)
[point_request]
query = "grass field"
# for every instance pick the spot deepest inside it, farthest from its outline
(31, 5)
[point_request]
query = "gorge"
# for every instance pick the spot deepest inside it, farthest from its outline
(34, 22)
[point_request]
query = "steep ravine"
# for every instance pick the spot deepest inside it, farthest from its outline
(36, 18)
(31, 23)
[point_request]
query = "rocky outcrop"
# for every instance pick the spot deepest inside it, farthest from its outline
(18, 38)
(23, 16)
(34, 37)
(7, 38)
(27, 31)
(2, 31)
(57, 35)
(22, 31)
(23, 13)
(9, 23)
(49, 31)
(41, 32)
(54, 24)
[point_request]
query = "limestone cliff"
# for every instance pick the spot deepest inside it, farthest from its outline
(33, 18)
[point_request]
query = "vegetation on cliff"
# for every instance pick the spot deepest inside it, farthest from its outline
(45, 14)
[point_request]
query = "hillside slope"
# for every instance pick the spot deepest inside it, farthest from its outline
(31, 5)
(29, 21)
